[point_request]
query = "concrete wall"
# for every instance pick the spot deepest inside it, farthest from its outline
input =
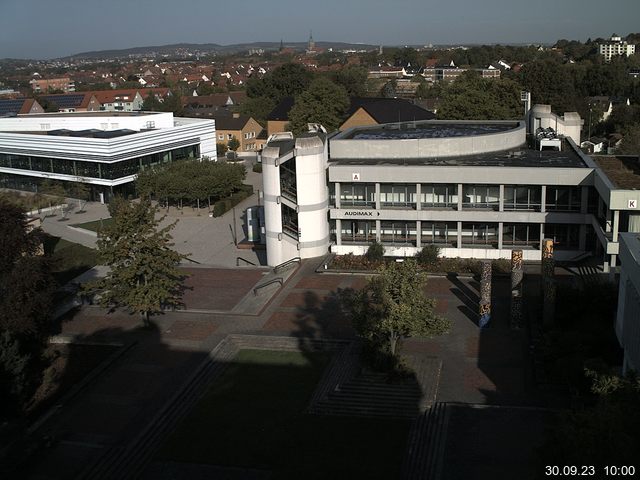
(628, 317)
(344, 148)
(568, 125)
(82, 121)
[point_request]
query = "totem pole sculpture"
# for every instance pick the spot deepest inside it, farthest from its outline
(548, 282)
(485, 294)
(517, 276)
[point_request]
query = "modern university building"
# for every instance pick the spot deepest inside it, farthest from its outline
(476, 189)
(105, 150)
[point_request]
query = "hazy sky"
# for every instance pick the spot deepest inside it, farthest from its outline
(55, 28)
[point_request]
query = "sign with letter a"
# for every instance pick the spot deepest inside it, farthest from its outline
(355, 177)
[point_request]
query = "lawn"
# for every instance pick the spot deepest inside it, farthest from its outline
(68, 260)
(253, 417)
(95, 225)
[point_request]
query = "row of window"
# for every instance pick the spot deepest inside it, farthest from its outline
(446, 234)
(516, 197)
(107, 171)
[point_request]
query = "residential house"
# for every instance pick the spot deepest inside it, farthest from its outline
(42, 85)
(242, 127)
(210, 105)
(73, 102)
(19, 106)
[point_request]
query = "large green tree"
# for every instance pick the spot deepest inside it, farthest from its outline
(285, 81)
(393, 306)
(471, 97)
(144, 276)
(354, 79)
(323, 102)
(26, 300)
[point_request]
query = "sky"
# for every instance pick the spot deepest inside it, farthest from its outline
(42, 29)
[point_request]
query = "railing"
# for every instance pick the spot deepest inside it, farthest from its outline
(279, 268)
(272, 281)
(244, 260)
(193, 261)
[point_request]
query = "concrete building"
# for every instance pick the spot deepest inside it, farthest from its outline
(476, 189)
(628, 318)
(102, 149)
(615, 47)
(44, 85)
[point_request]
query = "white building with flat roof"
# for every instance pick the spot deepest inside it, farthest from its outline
(615, 47)
(475, 189)
(105, 150)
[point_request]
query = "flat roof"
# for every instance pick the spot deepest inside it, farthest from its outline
(103, 113)
(524, 157)
(623, 171)
(428, 129)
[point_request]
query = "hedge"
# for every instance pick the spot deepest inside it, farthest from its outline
(226, 204)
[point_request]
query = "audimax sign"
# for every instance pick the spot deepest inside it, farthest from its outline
(361, 213)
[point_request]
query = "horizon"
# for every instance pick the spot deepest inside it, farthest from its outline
(92, 28)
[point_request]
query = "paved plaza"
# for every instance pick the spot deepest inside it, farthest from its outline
(479, 367)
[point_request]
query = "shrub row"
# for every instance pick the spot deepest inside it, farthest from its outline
(226, 204)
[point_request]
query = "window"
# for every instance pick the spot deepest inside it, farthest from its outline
(358, 231)
(45, 126)
(521, 235)
(439, 233)
(397, 195)
(229, 136)
(481, 196)
(438, 196)
(522, 197)
(220, 137)
(565, 199)
(480, 234)
(357, 195)
(398, 233)
(290, 221)
(565, 237)
(288, 182)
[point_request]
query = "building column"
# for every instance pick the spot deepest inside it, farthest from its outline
(459, 234)
(418, 234)
(377, 196)
(378, 231)
(337, 194)
(584, 200)
(459, 198)
(543, 199)
(582, 238)
(607, 223)
(338, 231)
(541, 235)
(616, 224)
(501, 199)
(418, 196)
(500, 226)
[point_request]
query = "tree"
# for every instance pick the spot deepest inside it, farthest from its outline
(258, 108)
(287, 80)
(151, 103)
(233, 144)
(81, 192)
(26, 300)
(471, 97)
(393, 306)
(144, 275)
(550, 83)
(354, 79)
(323, 102)
(630, 141)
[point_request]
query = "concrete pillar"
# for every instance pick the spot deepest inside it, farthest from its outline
(378, 231)
(459, 196)
(459, 241)
(616, 224)
(337, 194)
(500, 233)
(548, 282)
(584, 200)
(501, 199)
(418, 234)
(582, 238)
(338, 232)
(418, 196)
(517, 276)
(608, 223)
(377, 196)
(485, 294)
(543, 198)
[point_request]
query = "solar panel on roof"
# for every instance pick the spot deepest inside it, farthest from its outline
(8, 107)
(65, 101)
